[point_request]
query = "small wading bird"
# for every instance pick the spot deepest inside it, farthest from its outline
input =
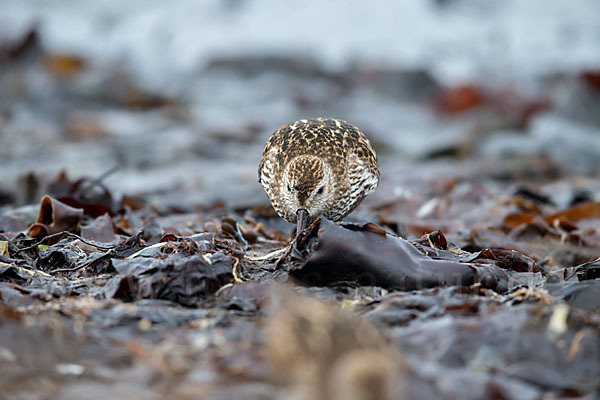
(317, 167)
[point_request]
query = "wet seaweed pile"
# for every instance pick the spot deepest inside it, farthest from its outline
(103, 296)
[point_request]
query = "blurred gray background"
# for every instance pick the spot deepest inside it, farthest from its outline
(182, 96)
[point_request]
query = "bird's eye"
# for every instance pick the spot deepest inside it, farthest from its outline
(289, 188)
(320, 191)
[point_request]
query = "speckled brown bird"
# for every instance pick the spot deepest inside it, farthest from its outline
(317, 167)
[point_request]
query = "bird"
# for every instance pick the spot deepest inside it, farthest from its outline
(317, 167)
(320, 351)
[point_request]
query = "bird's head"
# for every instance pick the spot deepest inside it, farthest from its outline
(307, 185)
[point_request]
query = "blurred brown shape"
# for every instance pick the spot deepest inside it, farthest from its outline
(515, 219)
(142, 100)
(516, 107)
(63, 65)
(592, 78)
(19, 48)
(54, 217)
(508, 104)
(85, 128)
(562, 238)
(459, 99)
(323, 352)
(566, 219)
(589, 210)
(86, 193)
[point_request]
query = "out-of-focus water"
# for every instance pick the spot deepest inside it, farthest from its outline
(456, 40)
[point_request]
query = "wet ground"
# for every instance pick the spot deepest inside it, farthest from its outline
(139, 257)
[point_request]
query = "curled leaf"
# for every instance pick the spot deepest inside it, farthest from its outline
(55, 216)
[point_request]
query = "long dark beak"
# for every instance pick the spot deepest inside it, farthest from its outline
(303, 219)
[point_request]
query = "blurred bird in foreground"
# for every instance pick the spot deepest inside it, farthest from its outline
(325, 353)
(317, 167)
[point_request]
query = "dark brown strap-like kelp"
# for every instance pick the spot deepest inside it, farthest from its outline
(329, 253)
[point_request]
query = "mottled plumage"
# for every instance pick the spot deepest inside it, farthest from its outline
(324, 165)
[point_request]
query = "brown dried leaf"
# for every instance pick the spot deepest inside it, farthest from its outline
(64, 66)
(590, 210)
(55, 216)
(459, 99)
